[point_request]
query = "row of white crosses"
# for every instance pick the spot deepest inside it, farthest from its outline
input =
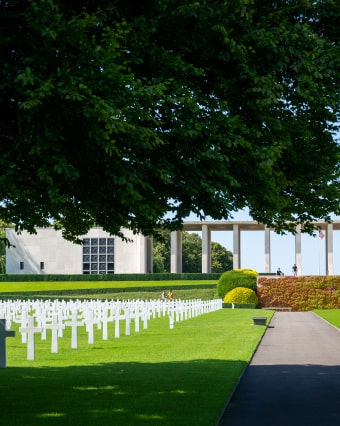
(37, 316)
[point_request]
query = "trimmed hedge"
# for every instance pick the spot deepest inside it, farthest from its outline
(241, 295)
(239, 305)
(108, 277)
(236, 278)
(300, 293)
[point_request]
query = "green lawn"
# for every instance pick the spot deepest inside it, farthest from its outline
(159, 376)
(330, 315)
(127, 290)
(29, 286)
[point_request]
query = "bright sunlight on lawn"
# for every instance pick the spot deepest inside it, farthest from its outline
(159, 376)
(330, 315)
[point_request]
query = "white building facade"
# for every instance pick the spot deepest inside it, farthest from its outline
(47, 252)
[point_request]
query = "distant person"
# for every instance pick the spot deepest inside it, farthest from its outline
(170, 294)
(163, 295)
(294, 269)
(279, 272)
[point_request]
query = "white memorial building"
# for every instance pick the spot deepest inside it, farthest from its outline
(47, 252)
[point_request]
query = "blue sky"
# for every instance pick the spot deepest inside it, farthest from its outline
(282, 249)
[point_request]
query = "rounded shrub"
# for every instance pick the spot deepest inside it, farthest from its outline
(241, 295)
(236, 278)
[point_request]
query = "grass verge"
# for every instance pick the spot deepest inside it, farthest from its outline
(330, 315)
(159, 376)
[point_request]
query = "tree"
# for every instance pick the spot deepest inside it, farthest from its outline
(191, 252)
(162, 252)
(2, 251)
(134, 115)
(221, 258)
(3, 243)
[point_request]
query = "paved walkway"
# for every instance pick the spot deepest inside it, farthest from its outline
(293, 378)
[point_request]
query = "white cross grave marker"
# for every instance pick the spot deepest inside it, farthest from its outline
(127, 321)
(55, 326)
(90, 321)
(74, 323)
(3, 334)
(171, 316)
(30, 330)
(24, 322)
(145, 315)
(117, 326)
(105, 318)
(137, 319)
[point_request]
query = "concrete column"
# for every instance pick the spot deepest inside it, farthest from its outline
(206, 249)
(267, 262)
(176, 252)
(298, 255)
(141, 241)
(149, 254)
(236, 247)
(329, 249)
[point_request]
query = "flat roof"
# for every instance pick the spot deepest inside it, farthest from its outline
(244, 225)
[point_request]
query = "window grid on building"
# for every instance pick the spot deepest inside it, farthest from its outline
(98, 255)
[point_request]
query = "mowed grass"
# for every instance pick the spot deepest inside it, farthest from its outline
(115, 290)
(158, 376)
(36, 286)
(330, 315)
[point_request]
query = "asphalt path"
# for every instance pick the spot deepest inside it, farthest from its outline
(293, 378)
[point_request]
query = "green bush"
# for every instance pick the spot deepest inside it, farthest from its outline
(241, 295)
(236, 278)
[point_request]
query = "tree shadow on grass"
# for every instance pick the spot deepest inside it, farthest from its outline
(173, 393)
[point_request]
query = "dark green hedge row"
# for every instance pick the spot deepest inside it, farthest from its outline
(107, 277)
(239, 305)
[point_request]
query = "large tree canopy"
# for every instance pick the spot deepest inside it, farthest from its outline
(116, 113)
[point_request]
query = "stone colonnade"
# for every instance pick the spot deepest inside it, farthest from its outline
(237, 227)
